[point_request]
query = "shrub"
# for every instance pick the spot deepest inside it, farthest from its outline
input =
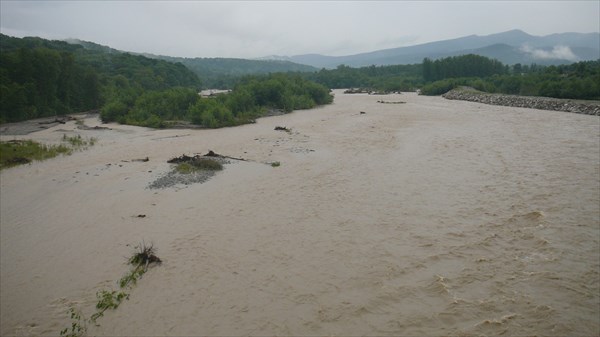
(113, 111)
(18, 152)
(439, 87)
(198, 164)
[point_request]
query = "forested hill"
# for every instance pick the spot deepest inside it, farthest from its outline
(223, 73)
(217, 73)
(40, 77)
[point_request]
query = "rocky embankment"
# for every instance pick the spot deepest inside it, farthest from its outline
(542, 103)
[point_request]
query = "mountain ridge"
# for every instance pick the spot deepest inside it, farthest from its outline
(524, 48)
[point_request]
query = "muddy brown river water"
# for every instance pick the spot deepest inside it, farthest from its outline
(428, 218)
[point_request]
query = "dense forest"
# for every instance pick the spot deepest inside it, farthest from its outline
(252, 97)
(218, 72)
(386, 78)
(40, 78)
(579, 80)
(224, 73)
(460, 66)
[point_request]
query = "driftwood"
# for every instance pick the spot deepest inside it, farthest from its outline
(176, 136)
(282, 128)
(58, 120)
(132, 160)
(186, 159)
(213, 154)
(358, 91)
(19, 160)
(182, 159)
(85, 127)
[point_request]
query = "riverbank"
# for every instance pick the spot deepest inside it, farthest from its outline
(542, 103)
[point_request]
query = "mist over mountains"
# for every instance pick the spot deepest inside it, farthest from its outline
(509, 47)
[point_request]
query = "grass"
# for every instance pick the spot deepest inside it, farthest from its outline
(108, 300)
(78, 325)
(111, 299)
(18, 152)
(144, 255)
(199, 164)
(78, 142)
(132, 277)
(141, 258)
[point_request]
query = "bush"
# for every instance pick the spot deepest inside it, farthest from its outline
(113, 111)
(199, 164)
(248, 101)
(439, 87)
(14, 153)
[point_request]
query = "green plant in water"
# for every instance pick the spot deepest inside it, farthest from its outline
(108, 300)
(132, 277)
(78, 326)
(78, 141)
(142, 257)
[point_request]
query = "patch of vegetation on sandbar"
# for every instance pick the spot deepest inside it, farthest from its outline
(188, 170)
(198, 164)
(18, 152)
(253, 97)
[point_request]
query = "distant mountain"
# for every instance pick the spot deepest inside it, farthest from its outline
(41, 78)
(234, 66)
(215, 72)
(510, 47)
(223, 72)
(93, 46)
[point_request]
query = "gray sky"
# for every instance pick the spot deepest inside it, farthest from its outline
(249, 29)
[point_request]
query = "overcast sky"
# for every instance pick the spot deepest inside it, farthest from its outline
(249, 29)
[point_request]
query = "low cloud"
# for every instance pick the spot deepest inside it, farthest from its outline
(557, 53)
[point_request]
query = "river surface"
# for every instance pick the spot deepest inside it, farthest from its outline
(426, 218)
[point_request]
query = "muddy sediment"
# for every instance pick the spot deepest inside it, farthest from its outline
(434, 217)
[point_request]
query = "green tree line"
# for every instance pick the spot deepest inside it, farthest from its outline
(579, 80)
(251, 98)
(40, 78)
(385, 78)
(224, 73)
(461, 66)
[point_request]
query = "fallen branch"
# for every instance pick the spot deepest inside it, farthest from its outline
(282, 128)
(213, 154)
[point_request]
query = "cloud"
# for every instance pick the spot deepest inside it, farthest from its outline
(557, 53)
